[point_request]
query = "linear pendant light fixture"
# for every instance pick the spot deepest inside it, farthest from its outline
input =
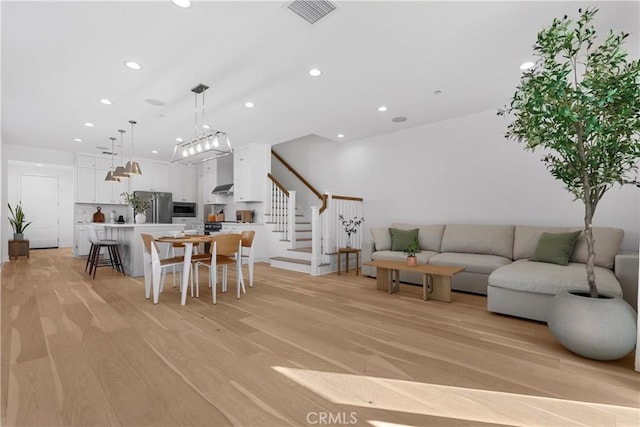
(132, 168)
(110, 177)
(205, 146)
(119, 171)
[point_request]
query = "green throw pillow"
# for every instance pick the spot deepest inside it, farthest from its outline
(400, 239)
(555, 248)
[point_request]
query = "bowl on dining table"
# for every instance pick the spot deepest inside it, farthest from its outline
(174, 234)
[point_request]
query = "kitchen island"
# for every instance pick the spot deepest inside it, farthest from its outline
(130, 242)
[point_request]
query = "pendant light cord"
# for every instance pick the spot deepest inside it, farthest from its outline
(132, 123)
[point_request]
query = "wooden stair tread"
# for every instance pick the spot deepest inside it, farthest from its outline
(305, 250)
(291, 260)
(295, 261)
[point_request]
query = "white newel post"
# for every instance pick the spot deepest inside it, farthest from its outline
(316, 241)
(329, 241)
(292, 220)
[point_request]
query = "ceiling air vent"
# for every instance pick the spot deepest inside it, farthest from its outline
(312, 10)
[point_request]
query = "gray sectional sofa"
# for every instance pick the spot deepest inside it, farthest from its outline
(496, 262)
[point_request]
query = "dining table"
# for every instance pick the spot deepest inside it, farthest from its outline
(188, 241)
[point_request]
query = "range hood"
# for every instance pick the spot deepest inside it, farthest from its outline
(223, 189)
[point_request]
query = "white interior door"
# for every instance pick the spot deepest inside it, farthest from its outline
(39, 196)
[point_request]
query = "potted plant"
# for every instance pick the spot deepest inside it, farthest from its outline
(580, 103)
(17, 221)
(138, 204)
(350, 226)
(411, 253)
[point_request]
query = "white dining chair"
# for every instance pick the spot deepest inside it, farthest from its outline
(224, 248)
(171, 252)
(155, 267)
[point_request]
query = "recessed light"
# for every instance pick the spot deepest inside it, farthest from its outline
(105, 101)
(399, 119)
(206, 127)
(437, 92)
(77, 139)
(39, 164)
(179, 139)
(314, 72)
(133, 65)
(340, 135)
(88, 124)
(249, 104)
(182, 3)
(154, 151)
(382, 108)
(527, 65)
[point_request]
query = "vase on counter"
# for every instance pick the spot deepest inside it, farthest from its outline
(140, 218)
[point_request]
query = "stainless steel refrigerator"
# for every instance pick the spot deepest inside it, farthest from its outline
(161, 209)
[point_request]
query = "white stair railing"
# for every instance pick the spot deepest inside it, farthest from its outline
(291, 221)
(282, 211)
(279, 208)
(327, 231)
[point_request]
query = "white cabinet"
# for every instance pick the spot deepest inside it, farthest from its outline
(208, 182)
(259, 240)
(90, 184)
(251, 164)
(85, 185)
(155, 176)
(81, 244)
(184, 183)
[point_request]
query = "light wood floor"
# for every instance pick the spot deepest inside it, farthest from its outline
(295, 350)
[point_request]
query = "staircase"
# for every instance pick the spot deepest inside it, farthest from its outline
(297, 242)
(292, 254)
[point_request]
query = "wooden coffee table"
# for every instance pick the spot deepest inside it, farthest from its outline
(436, 279)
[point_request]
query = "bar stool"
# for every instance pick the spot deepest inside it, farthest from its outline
(94, 253)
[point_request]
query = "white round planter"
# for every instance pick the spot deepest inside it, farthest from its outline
(141, 218)
(601, 328)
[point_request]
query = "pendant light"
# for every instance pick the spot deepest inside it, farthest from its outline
(119, 171)
(110, 177)
(202, 146)
(132, 168)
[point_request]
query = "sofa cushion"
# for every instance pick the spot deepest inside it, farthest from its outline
(527, 236)
(479, 239)
(429, 236)
(381, 238)
(608, 241)
(555, 248)
(422, 257)
(544, 278)
(401, 239)
(472, 263)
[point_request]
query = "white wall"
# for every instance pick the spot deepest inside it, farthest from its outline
(461, 170)
(18, 160)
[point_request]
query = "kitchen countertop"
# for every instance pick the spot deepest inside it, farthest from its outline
(106, 224)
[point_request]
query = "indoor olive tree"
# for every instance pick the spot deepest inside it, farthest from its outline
(580, 103)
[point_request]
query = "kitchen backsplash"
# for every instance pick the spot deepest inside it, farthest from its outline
(230, 210)
(84, 212)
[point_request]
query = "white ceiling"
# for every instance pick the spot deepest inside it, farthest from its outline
(60, 58)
